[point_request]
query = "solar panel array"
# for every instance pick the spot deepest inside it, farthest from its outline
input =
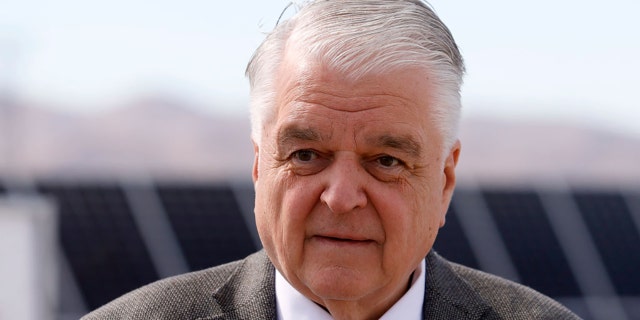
(531, 243)
(616, 237)
(208, 224)
(108, 253)
(101, 241)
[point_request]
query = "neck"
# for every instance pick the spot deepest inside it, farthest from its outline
(367, 308)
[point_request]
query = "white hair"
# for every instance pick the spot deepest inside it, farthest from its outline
(359, 37)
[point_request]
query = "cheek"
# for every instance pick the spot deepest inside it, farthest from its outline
(299, 198)
(428, 211)
(268, 204)
(283, 204)
(411, 218)
(271, 217)
(265, 217)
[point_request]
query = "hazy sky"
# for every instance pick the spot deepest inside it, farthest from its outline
(560, 60)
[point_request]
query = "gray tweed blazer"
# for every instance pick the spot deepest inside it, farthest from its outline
(245, 289)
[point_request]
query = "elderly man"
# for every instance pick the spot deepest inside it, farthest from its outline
(354, 112)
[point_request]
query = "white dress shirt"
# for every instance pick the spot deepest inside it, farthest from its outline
(292, 305)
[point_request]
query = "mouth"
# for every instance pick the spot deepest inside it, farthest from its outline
(346, 240)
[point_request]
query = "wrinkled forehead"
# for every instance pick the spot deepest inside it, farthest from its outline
(307, 86)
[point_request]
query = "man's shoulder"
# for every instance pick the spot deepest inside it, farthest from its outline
(509, 299)
(184, 296)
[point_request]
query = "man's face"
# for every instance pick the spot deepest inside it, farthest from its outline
(351, 186)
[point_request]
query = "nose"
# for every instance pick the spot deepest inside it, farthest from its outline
(345, 185)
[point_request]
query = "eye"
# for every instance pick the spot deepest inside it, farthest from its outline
(304, 155)
(388, 161)
(307, 162)
(386, 168)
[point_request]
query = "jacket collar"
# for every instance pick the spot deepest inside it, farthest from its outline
(249, 293)
(447, 295)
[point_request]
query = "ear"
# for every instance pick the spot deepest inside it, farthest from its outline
(449, 173)
(256, 158)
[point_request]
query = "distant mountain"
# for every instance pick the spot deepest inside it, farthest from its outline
(163, 139)
(145, 139)
(546, 153)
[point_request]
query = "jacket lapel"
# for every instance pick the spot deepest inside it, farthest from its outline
(447, 296)
(249, 293)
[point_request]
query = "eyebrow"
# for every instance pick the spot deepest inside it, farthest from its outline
(402, 143)
(406, 144)
(297, 133)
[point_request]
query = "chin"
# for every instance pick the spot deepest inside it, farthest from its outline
(339, 283)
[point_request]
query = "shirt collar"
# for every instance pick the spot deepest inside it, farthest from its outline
(291, 304)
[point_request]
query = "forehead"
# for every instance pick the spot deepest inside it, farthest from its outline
(313, 102)
(301, 78)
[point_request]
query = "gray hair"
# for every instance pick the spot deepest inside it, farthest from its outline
(357, 37)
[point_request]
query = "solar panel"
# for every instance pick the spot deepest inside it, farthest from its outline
(614, 233)
(101, 241)
(208, 224)
(531, 242)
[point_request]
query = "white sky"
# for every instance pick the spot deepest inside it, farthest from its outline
(560, 60)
